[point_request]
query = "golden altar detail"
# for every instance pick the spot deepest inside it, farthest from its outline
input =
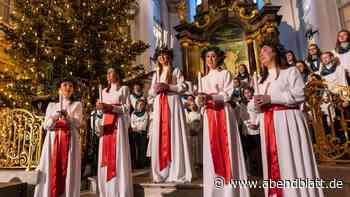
(236, 26)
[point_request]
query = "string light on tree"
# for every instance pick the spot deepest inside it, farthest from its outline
(57, 26)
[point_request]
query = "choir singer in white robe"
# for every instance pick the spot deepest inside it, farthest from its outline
(342, 50)
(114, 163)
(286, 147)
(60, 162)
(170, 156)
(223, 158)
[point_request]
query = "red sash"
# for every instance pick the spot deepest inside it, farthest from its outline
(109, 143)
(271, 146)
(59, 158)
(164, 132)
(219, 140)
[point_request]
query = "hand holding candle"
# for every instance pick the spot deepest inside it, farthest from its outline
(100, 92)
(200, 90)
(256, 84)
(61, 101)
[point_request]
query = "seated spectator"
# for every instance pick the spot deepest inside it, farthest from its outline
(304, 70)
(331, 71)
(243, 75)
(291, 59)
(236, 94)
(313, 59)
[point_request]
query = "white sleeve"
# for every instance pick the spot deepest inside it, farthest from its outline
(180, 85)
(342, 76)
(125, 105)
(76, 118)
(133, 123)
(225, 94)
(50, 112)
(152, 90)
(253, 113)
(294, 94)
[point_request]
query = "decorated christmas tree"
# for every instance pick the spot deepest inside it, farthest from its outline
(51, 39)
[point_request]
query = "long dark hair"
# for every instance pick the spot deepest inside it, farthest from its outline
(72, 98)
(291, 52)
(219, 53)
(306, 68)
(245, 70)
(280, 60)
(337, 45)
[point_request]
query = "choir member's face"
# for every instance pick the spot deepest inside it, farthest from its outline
(267, 56)
(242, 69)
(289, 57)
(326, 58)
(300, 66)
(343, 37)
(66, 88)
(141, 106)
(211, 59)
(190, 99)
(111, 77)
(163, 59)
(312, 50)
(137, 88)
(236, 83)
(248, 94)
(193, 107)
(326, 99)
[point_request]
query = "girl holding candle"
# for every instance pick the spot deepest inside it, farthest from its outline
(169, 149)
(114, 165)
(60, 158)
(222, 150)
(285, 142)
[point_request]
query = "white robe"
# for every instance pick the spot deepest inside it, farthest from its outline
(179, 169)
(294, 147)
(120, 185)
(338, 77)
(73, 177)
(220, 83)
(344, 60)
(248, 115)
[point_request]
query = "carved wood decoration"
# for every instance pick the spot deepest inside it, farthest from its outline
(247, 24)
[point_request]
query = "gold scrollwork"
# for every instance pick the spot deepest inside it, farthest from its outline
(253, 14)
(181, 9)
(20, 138)
(331, 142)
(206, 22)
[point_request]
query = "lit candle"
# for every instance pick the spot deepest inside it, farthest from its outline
(61, 101)
(157, 76)
(199, 82)
(256, 84)
(100, 92)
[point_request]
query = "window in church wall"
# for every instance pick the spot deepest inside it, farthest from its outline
(157, 32)
(259, 3)
(157, 17)
(344, 12)
(5, 10)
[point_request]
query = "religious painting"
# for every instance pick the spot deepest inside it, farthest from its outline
(230, 38)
